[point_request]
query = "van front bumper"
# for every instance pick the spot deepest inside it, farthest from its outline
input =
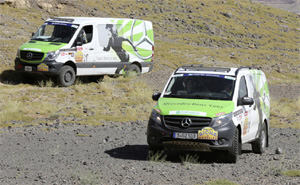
(48, 68)
(159, 136)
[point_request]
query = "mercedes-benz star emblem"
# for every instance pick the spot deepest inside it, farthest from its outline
(186, 122)
(29, 55)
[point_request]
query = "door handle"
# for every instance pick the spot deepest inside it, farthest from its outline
(91, 49)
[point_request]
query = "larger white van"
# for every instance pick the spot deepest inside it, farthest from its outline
(66, 47)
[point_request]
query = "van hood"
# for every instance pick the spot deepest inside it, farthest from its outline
(41, 46)
(193, 107)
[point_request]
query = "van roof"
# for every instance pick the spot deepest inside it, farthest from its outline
(198, 68)
(81, 20)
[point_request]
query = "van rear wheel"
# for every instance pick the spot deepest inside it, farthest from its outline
(66, 76)
(259, 145)
(133, 70)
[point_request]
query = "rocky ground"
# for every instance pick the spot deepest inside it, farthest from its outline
(116, 153)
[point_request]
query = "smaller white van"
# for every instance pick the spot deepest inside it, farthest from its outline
(211, 109)
(66, 47)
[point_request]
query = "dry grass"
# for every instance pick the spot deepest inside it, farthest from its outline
(202, 34)
(285, 113)
(119, 100)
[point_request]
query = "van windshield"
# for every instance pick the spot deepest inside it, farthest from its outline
(55, 32)
(201, 86)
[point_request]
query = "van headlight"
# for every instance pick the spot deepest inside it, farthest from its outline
(18, 53)
(222, 120)
(156, 117)
(52, 55)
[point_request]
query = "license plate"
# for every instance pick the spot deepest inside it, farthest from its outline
(28, 68)
(179, 135)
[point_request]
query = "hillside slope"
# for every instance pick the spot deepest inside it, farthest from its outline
(216, 33)
(229, 33)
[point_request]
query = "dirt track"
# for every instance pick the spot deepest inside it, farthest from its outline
(117, 154)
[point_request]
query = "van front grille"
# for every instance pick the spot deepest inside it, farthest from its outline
(176, 122)
(31, 56)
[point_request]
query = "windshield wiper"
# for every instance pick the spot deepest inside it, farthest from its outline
(38, 39)
(173, 95)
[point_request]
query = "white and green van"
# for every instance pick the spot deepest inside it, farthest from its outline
(66, 47)
(210, 109)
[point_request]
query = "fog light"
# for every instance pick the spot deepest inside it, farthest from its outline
(221, 141)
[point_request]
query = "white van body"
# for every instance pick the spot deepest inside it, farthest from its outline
(90, 46)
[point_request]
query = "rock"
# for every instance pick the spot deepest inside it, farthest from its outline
(229, 15)
(18, 3)
(278, 151)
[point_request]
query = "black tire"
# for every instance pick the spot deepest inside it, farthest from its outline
(235, 149)
(133, 70)
(260, 144)
(66, 76)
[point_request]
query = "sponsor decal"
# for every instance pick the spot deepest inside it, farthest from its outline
(66, 50)
(62, 54)
(58, 23)
(246, 113)
(208, 133)
(43, 67)
(79, 48)
(193, 104)
(79, 56)
(71, 54)
(238, 112)
(187, 112)
(240, 117)
(32, 49)
(220, 113)
(246, 126)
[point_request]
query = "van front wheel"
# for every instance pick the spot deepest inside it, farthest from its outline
(235, 149)
(66, 76)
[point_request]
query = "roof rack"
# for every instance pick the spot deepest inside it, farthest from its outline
(62, 19)
(199, 67)
(245, 67)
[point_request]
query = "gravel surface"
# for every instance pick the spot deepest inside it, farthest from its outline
(116, 153)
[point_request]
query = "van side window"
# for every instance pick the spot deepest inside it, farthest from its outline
(87, 34)
(243, 92)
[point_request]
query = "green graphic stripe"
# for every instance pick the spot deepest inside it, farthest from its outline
(137, 37)
(150, 34)
(142, 52)
(127, 27)
(137, 23)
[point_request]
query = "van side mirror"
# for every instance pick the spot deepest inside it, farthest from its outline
(79, 41)
(247, 101)
(156, 96)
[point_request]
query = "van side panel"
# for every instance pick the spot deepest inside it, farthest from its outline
(130, 40)
(262, 89)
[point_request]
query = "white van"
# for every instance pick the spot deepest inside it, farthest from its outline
(211, 109)
(66, 47)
